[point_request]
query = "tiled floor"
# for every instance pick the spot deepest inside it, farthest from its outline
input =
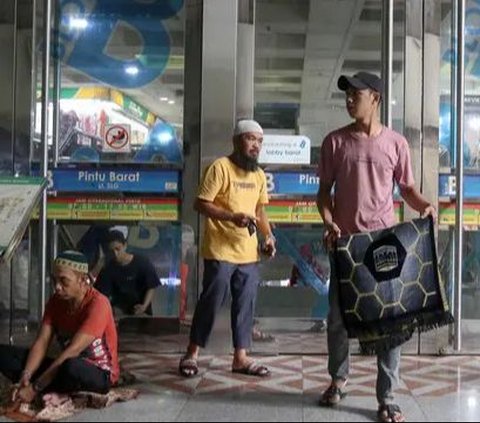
(432, 388)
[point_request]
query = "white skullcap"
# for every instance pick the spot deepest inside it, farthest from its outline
(122, 229)
(244, 126)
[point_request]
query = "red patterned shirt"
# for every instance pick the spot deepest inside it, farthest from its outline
(95, 318)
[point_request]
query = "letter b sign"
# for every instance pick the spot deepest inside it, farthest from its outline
(143, 16)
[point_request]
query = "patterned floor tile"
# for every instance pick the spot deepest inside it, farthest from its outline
(421, 376)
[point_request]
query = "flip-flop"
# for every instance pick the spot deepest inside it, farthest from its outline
(253, 369)
(188, 367)
(390, 413)
(332, 396)
(259, 336)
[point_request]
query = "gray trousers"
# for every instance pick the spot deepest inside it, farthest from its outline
(219, 279)
(388, 363)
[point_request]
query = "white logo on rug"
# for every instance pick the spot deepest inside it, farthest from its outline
(386, 258)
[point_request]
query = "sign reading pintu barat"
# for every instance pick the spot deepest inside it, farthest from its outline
(115, 180)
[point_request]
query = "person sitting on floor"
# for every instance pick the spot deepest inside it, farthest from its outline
(82, 320)
(128, 280)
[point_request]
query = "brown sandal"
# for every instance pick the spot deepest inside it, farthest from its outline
(390, 413)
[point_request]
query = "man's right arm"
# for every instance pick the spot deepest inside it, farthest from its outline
(212, 211)
(324, 203)
(325, 207)
(215, 212)
(37, 353)
(209, 189)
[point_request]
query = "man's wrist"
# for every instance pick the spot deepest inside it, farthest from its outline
(269, 237)
(328, 224)
(26, 375)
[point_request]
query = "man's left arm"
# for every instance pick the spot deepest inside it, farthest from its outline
(140, 309)
(403, 175)
(418, 202)
(265, 229)
(151, 282)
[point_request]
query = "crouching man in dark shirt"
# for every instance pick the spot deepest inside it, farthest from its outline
(128, 280)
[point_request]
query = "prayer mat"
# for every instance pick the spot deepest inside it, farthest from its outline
(390, 285)
(54, 407)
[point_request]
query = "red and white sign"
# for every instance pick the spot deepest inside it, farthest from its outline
(117, 138)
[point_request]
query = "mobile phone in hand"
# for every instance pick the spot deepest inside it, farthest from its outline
(252, 227)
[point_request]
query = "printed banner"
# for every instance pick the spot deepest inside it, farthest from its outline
(291, 211)
(110, 209)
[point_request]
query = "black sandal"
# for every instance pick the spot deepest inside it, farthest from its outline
(188, 367)
(253, 369)
(390, 413)
(332, 396)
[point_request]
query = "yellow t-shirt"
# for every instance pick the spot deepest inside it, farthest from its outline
(238, 191)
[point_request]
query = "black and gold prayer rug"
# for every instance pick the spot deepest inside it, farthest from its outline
(390, 285)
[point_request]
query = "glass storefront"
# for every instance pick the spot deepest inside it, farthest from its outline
(118, 81)
(115, 120)
(469, 285)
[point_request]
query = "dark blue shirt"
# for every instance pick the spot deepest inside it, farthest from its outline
(126, 286)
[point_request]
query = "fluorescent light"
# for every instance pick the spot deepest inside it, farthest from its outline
(78, 23)
(165, 137)
(132, 70)
(171, 102)
(163, 98)
(170, 281)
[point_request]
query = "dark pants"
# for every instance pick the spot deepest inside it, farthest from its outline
(219, 279)
(75, 374)
(388, 363)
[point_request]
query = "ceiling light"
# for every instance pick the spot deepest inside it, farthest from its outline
(78, 23)
(132, 70)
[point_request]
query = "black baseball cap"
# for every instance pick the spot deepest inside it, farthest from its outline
(361, 81)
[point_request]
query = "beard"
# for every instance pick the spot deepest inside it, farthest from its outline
(244, 162)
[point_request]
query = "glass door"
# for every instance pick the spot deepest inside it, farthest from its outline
(302, 47)
(442, 341)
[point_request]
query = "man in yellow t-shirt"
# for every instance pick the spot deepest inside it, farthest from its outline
(232, 197)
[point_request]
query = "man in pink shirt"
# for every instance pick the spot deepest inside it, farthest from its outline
(362, 162)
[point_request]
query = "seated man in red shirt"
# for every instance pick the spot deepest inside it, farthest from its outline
(82, 321)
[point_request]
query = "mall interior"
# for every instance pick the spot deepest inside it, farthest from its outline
(110, 110)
